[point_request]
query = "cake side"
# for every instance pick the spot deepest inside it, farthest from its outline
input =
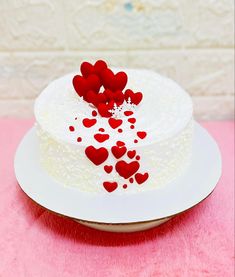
(164, 161)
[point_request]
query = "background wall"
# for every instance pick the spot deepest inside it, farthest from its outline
(187, 40)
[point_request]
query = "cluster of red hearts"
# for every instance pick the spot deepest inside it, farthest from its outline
(125, 169)
(99, 86)
(127, 162)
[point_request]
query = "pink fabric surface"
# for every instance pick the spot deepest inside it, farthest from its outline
(35, 242)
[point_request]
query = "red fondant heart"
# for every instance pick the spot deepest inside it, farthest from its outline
(113, 82)
(134, 97)
(141, 134)
(110, 186)
(89, 122)
(128, 113)
(96, 155)
(83, 85)
(141, 178)
(99, 66)
(132, 120)
(107, 77)
(108, 168)
(120, 143)
(86, 69)
(114, 123)
(126, 170)
(103, 109)
(109, 94)
(94, 82)
(95, 99)
(90, 97)
(101, 137)
(131, 154)
(101, 98)
(119, 97)
(120, 80)
(118, 152)
(80, 85)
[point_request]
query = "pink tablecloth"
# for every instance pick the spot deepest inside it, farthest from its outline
(34, 242)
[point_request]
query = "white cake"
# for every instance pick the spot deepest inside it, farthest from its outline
(161, 153)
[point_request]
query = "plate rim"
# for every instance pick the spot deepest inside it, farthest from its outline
(116, 223)
(108, 223)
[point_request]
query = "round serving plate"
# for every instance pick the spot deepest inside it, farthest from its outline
(126, 212)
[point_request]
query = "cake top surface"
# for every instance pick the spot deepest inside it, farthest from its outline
(164, 111)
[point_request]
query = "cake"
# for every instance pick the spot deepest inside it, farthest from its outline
(114, 130)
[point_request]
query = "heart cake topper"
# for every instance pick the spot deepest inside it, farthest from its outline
(103, 89)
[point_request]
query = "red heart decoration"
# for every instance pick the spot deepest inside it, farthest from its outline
(120, 143)
(103, 109)
(108, 168)
(132, 120)
(141, 178)
(80, 85)
(96, 155)
(119, 97)
(141, 134)
(113, 82)
(89, 122)
(131, 154)
(114, 123)
(86, 69)
(135, 97)
(94, 82)
(101, 137)
(107, 77)
(109, 94)
(90, 97)
(93, 77)
(110, 186)
(99, 66)
(128, 113)
(120, 80)
(118, 152)
(101, 98)
(126, 170)
(95, 99)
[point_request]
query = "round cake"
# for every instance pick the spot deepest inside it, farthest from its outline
(114, 131)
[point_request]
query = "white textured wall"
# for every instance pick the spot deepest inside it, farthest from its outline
(190, 41)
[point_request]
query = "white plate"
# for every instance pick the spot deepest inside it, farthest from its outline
(127, 212)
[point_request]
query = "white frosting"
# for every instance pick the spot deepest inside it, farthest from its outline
(165, 113)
